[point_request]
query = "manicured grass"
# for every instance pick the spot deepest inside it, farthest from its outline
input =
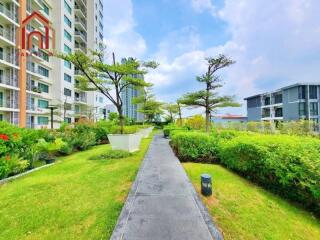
(77, 198)
(245, 211)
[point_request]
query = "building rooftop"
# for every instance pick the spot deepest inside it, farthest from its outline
(230, 116)
(284, 88)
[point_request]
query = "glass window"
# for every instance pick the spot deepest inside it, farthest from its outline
(67, 78)
(43, 103)
(67, 92)
(278, 112)
(267, 101)
(43, 71)
(67, 35)
(67, 21)
(77, 109)
(302, 109)
(43, 87)
(302, 92)
(67, 64)
(67, 7)
(313, 92)
(43, 120)
(101, 99)
(67, 49)
(45, 8)
(67, 120)
(313, 109)
(278, 98)
(1, 99)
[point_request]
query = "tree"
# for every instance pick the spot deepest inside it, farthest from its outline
(209, 98)
(180, 106)
(148, 105)
(171, 111)
(96, 75)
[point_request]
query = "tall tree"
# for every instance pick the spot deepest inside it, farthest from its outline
(209, 97)
(147, 104)
(171, 111)
(96, 75)
(180, 105)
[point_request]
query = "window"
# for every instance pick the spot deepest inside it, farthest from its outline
(43, 120)
(313, 109)
(67, 120)
(45, 8)
(302, 92)
(67, 92)
(278, 98)
(67, 21)
(267, 101)
(43, 71)
(43, 87)
(67, 7)
(101, 99)
(67, 49)
(313, 92)
(43, 103)
(1, 99)
(67, 78)
(67, 35)
(77, 109)
(278, 112)
(302, 109)
(67, 106)
(67, 64)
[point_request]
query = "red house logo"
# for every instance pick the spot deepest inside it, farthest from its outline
(43, 38)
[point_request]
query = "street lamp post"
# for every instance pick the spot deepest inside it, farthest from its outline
(52, 108)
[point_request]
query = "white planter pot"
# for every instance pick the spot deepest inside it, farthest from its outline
(146, 132)
(127, 142)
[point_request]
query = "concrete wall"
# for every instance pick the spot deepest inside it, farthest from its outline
(254, 109)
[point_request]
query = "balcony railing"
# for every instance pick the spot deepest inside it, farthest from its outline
(7, 34)
(8, 13)
(80, 99)
(81, 21)
(10, 58)
(11, 81)
(77, 7)
(81, 34)
(81, 47)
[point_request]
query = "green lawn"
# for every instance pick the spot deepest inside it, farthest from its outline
(75, 199)
(245, 211)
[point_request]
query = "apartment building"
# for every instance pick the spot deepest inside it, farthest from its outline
(131, 110)
(48, 81)
(294, 102)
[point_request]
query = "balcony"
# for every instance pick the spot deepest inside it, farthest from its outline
(8, 35)
(81, 36)
(80, 22)
(10, 81)
(82, 2)
(9, 58)
(81, 47)
(80, 11)
(8, 14)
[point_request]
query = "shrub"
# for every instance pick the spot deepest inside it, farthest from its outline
(196, 122)
(195, 147)
(126, 130)
(170, 128)
(289, 166)
(112, 154)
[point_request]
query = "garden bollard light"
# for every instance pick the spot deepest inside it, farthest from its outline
(206, 185)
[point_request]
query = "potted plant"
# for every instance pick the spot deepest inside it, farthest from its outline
(96, 75)
(129, 140)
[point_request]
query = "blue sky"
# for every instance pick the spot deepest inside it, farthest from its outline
(274, 43)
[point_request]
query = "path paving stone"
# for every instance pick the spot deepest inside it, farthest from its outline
(163, 204)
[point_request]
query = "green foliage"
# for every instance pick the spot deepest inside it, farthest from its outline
(112, 154)
(167, 130)
(126, 129)
(287, 165)
(195, 147)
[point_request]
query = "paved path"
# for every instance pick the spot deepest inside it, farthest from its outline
(163, 204)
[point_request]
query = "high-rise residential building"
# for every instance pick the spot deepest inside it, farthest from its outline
(28, 87)
(294, 102)
(131, 110)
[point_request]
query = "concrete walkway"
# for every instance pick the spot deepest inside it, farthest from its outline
(163, 204)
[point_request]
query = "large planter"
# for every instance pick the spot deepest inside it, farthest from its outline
(127, 142)
(146, 131)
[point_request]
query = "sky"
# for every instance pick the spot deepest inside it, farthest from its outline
(274, 43)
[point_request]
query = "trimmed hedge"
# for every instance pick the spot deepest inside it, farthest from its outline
(195, 147)
(286, 165)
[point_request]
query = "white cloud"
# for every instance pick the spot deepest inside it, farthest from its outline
(121, 36)
(203, 5)
(275, 43)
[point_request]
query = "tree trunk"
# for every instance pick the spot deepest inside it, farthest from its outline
(180, 116)
(208, 123)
